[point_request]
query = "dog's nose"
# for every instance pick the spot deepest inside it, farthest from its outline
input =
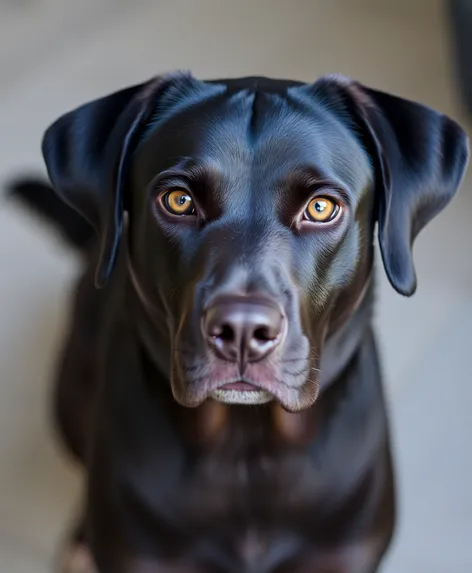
(243, 328)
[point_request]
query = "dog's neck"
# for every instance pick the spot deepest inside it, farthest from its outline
(343, 341)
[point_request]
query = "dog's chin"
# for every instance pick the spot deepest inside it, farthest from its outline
(241, 393)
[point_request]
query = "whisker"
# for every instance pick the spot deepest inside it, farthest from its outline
(288, 361)
(286, 372)
(286, 385)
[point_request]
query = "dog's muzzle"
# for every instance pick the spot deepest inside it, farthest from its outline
(243, 330)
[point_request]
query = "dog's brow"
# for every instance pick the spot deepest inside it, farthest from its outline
(312, 179)
(188, 168)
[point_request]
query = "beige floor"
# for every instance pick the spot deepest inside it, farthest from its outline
(55, 54)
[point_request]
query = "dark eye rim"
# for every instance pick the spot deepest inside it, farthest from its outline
(335, 214)
(165, 201)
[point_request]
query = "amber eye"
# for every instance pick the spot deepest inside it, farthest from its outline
(322, 210)
(178, 202)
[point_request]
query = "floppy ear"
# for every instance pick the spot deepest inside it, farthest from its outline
(419, 156)
(88, 153)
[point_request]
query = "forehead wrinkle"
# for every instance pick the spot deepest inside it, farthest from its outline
(230, 144)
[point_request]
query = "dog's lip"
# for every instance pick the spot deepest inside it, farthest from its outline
(289, 398)
(292, 395)
(239, 386)
(245, 384)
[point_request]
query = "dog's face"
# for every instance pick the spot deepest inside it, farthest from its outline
(251, 220)
(251, 210)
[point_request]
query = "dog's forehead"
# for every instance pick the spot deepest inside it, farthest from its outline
(255, 124)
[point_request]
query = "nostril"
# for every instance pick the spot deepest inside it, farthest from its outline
(263, 334)
(243, 329)
(226, 333)
(223, 333)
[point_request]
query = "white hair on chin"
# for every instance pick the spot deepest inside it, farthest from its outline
(252, 397)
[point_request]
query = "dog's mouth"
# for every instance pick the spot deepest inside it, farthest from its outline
(256, 387)
(287, 380)
(241, 392)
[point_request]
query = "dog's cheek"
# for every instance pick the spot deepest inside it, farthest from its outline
(315, 320)
(344, 264)
(178, 385)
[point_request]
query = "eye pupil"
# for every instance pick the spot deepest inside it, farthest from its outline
(320, 206)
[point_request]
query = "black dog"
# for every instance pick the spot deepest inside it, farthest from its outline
(223, 390)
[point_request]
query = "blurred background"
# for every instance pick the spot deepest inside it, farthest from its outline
(56, 54)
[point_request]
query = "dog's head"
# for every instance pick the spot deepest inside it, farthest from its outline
(251, 210)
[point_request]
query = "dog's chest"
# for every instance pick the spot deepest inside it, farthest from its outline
(267, 512)
(253, 506)
(255, 482)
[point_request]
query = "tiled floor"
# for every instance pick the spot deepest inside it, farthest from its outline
(55, 54)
